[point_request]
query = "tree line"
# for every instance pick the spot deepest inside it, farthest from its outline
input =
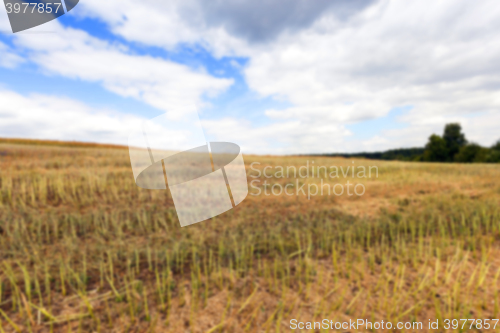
(452, 146)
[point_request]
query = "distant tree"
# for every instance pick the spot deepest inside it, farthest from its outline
(451, 147)
(454, 138)
(471, 152)
(483, 155)
(436, 149)
(493, 156)
(496, 146)
(494, 153)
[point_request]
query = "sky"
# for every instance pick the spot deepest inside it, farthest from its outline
(274, 76)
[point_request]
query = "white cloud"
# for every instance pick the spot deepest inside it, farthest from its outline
(162, 23)
(285, 137)
(163, 84)
(4, 23)
(8, 58)
(439, 57)
(52, 117)
(145, 21)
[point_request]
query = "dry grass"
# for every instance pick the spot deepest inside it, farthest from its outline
(84, 250)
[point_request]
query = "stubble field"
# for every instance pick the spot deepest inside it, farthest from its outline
(83, 249)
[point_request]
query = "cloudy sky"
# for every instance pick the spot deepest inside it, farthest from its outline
(275, 76)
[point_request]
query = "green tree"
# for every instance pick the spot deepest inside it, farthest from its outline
(436, 149)
(454, 138)
(471, 152)
(494, 153)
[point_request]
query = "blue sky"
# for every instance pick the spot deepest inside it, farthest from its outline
(28, 78)
(317, 77)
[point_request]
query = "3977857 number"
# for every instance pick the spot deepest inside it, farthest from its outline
(33, 7)
(470, 323)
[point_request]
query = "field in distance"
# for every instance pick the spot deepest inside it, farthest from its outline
(83, 249)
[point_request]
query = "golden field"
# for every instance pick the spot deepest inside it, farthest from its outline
(83, 249)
